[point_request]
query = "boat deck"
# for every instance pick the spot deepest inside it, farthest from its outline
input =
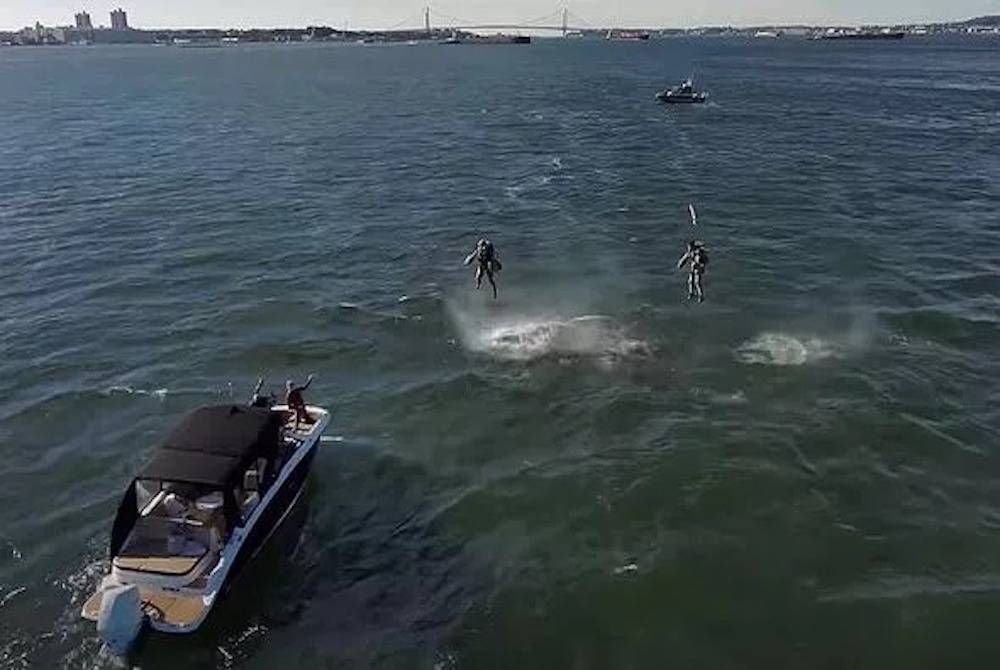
(162, 607)
(303, 431)
(173, 609)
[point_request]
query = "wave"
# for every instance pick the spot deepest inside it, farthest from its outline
(783, 349)
(526, 186)
(734, 398)
(13, 593)
(527, 338)
(905, 587)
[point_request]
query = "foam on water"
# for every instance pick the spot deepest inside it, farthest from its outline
(628, 568)
(128, 390)
(784, 349)
(528, 338)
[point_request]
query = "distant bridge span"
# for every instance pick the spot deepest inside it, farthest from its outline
(515, 26)
(541, 23)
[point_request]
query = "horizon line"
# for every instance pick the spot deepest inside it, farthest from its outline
(799, 24)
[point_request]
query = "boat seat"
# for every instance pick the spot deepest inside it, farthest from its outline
(173, 505)
(174, 565)
(165, 546)
(167, 505)
(209, 510)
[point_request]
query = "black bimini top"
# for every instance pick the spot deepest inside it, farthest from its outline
(212, 445)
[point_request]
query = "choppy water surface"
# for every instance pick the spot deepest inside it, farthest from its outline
(590, 473)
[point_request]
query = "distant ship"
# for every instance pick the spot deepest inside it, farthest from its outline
(487, 39)
(883, 34)
(627, 35)
(500, 39)
(198, 43)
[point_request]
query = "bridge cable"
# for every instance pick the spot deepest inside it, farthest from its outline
(450, 17)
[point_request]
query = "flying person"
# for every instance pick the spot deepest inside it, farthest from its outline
(296, 403)
(697, 260)
(488, 263)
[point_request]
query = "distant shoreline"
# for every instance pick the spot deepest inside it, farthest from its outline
(57, 36)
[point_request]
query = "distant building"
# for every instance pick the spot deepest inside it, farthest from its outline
(41, 35)
(83, 21)
(119, 20)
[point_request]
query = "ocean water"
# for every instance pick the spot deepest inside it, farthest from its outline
(591, 472)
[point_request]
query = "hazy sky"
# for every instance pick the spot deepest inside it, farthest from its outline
(385, 13)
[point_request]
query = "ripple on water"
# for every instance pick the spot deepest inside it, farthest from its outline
(500, 474)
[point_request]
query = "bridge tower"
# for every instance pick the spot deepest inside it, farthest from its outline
(427, 20)
(565, 20)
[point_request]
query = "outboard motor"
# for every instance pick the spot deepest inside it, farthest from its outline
(120, 618)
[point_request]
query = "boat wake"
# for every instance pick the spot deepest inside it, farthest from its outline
(782, 349)
(523, 339)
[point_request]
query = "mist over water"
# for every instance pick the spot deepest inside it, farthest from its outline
(588, 472)
(531, 332)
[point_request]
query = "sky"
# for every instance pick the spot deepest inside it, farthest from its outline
(390, 13)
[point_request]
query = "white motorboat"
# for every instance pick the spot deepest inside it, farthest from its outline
(210, 497)
(682, 94)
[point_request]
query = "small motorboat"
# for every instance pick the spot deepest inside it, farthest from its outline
(684, 93)
(211, 495)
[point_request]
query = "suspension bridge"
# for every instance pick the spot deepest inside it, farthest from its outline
(560, 20)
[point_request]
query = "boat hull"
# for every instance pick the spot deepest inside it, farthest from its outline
(273, 516)
(681, 100)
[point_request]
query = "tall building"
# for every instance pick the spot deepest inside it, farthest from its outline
(83, 21)
(119, 21)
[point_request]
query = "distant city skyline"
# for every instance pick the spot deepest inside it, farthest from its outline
(360, 14)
